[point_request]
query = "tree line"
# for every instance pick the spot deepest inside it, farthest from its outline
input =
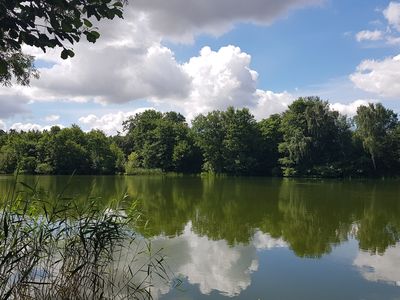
(308, 139)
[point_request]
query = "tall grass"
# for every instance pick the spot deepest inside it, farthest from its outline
(56, 249)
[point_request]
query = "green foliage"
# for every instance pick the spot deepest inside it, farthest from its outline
(313, 136)
(161, 141)
(309, 139)
(60, 151)
(8, 159)
(44, 168)
(132, 163)
(229, 141)
(271, 137)
(46, 24)
(377, 128)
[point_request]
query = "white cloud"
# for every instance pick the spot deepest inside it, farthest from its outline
(393, 40)
(52, 118)
(379, 77)
(349, 109)
(2, 125)
(109, 123)
(182, 20)
(129, 61)
(367, 35)
(269, 103)
(392, 14)
(32, 126)
(380, 267)
(218, 79)
(224, 78)
(390, 36)
(113, 74)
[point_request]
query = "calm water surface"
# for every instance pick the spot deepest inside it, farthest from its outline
(257, 238)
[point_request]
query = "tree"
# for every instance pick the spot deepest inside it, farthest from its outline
(102, 158)
(311, 137)
(241, 141)
(160, 141)
(229, 141)
(375, 124)
(66, 150)
(271, 137)
(209, 136)
(46, 24)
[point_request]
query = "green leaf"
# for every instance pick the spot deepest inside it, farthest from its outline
(3, 67)
(71, 53)
(92, 36)
(87, 23)
(64, 54)
(66, 25)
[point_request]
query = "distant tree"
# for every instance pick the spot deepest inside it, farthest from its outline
(66, 150)
(46, 24)
(160, 141)
(229, 141)
(209, 136)
(311, 136)
(8, 159)
(241, 141)
(102, 158)
(271, 136)
(375, 126)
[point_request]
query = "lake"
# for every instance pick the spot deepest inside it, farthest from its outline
(259, 238)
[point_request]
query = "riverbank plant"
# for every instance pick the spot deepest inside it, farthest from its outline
(56, 249)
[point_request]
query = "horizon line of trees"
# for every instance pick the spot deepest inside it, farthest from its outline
(308, 139)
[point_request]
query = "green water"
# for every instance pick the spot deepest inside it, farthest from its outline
(258, 238)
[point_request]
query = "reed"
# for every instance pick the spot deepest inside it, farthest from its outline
(59, 250)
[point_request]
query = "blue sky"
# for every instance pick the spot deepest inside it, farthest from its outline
(261, 56)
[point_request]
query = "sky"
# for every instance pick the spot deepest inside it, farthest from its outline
(194, 56)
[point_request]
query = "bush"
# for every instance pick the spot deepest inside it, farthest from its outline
(44, 168)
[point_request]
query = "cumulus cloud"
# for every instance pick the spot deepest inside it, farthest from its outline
(32, 126)
(380, 77)
(130, 62)
(109, 123)
(367, 35)
(380, 267)
(392, 14)
(269, 103)
(127, 63)
(224, 78)
(218, 79)
(349, 109)
(181, 20)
